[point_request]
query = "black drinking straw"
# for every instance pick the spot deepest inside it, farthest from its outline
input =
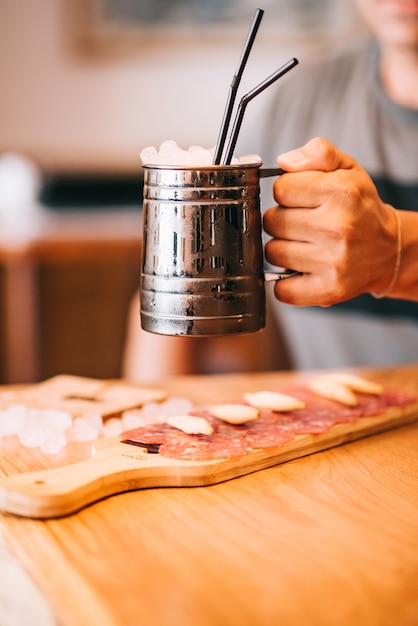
(234, 86)
(246, 99)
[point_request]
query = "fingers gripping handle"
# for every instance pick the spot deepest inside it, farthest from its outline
(285, 273)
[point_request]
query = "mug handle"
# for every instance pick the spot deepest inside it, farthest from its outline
(270, 276)
(265, 172)
(285, 273)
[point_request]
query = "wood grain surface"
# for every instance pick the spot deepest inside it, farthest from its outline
(330, 538)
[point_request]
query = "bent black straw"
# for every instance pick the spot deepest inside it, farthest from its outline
(246, 99)
(234, 86)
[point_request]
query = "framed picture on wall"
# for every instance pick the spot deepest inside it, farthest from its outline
(150, 21)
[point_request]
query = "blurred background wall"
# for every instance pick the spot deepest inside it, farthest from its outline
(84, 86)
(77, 96)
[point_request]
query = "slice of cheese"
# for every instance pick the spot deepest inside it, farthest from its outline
(273, 401)
(333, 390)
(356, 383)
(191, 424)
(234, 413)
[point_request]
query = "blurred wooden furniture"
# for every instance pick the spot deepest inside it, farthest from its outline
(149, 357)
(70, 305)
(327, 539)
(65, 295)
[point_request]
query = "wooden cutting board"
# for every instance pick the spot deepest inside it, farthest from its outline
(117, 467)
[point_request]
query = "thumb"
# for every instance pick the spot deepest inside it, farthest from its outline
(318, 154)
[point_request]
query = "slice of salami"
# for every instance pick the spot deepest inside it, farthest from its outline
(267, 434)
(204, 447)
(398, 398)
(264, 432)
(319, 409)
(370, 405)
(149, 437)
(273, 428)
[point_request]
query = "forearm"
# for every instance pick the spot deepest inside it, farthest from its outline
(406, 285)
(149, 358)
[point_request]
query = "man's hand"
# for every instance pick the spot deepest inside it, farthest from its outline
(331, 225)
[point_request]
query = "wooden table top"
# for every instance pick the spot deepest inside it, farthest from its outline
(328, 539)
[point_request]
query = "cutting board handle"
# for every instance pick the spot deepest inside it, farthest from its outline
(62, 490)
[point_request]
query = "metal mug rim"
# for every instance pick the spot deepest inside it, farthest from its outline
(232, 166)
(263, 172)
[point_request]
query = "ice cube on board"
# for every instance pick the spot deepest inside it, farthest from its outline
(83, 431)
(54, 444)
(12, 419)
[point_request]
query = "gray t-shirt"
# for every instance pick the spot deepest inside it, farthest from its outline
(342, 100)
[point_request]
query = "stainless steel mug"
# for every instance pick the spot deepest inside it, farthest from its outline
(202, 258)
